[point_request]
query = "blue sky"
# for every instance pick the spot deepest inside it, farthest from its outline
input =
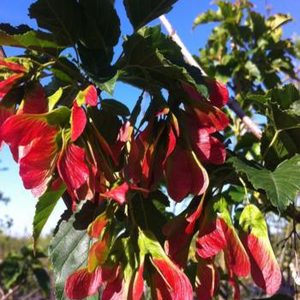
(21, 206)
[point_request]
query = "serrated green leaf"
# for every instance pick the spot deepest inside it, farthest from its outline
(281, 186)
(141, 12)
(44, 208)
(68, 252)
(285, 96)
(152, 61)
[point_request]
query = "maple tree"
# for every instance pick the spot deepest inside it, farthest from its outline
(119, 171)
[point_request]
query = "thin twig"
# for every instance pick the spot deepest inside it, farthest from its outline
(233, 104)
(11, 292)
(2, 52)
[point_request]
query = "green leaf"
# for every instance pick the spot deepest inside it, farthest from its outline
(148, 244)
(62, 18)
(278, 145)
(33, 40)
(278, 20)
(68, 252)
(207, 17)
(252, 220)
(54, 98)
(295, 108)
(141, 12)
(281, 186)
(59, 116)
(285, 96)
(44, 208)
(109, 86)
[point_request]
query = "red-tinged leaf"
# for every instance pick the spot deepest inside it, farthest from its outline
(98, 253)
(12, 66)
(211, 118)
(210, 149)
(110, 272)
(179, 233)
(82, 284)
(207, 148)
(170, 282)
(137, 286)
(217, 236)
(21, 130)
(192, 92)
(5, 113)
(124, 136)
(33, 142)
(265, 270)
(218, 92)
(133, 168)
(217, 233)
(236, 256)
(38, 164)
(177, 241)
(207, 280)
(72, 167)
(118, 193)
(7, 84)
(35, 101)
(88, 189)
(171, 144)
(96, 227)
(78, 121)
(115, 290)
(91, 96)
(185, 175)
(211, 239)
(88, 96)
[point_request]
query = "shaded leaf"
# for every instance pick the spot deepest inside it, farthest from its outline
(141, 12)
(115, 107)
(101, 25)
(62, 18)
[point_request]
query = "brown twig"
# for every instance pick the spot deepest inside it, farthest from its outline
(233, 104)
(11, 292)
(2, 52)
